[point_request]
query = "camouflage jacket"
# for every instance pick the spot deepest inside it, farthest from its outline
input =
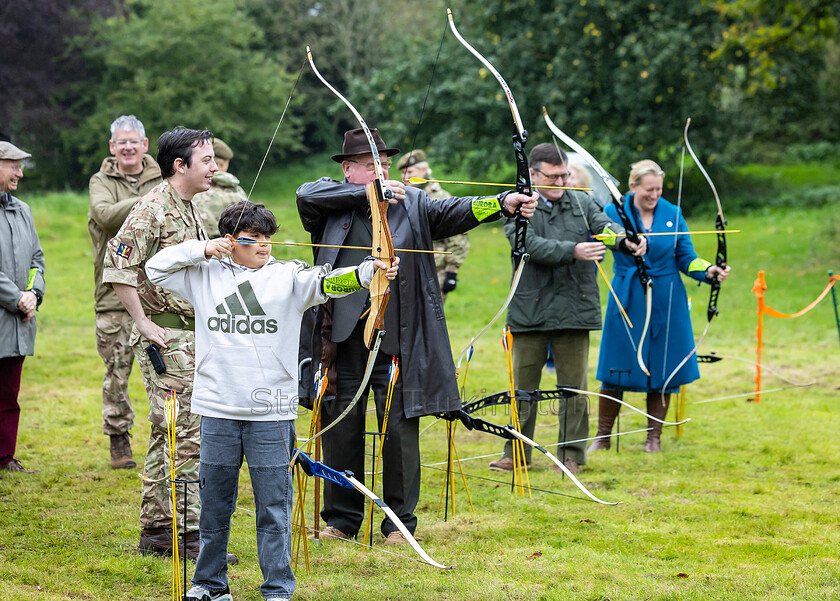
(160, 219)
(223, 192)
(112, 194)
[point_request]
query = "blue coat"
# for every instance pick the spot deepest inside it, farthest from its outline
(670, 337)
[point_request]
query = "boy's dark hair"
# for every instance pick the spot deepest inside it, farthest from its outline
(178, 143)
(247, 216)
(547, 153)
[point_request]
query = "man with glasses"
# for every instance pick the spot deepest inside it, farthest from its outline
(120, 182)
(338, 213)
(557, 300)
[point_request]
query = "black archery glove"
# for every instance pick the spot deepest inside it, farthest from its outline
(450, 280)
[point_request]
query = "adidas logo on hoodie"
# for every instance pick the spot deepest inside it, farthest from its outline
(239, 314)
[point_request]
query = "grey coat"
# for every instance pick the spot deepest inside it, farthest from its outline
(20, 254)
(326, 210)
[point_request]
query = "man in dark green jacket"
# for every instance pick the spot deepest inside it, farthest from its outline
(121, 181)
(558, 300)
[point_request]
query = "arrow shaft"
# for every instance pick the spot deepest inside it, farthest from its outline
(600, 236)
(420, 180)
(404, 250)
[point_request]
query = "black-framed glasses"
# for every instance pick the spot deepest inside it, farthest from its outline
(371, 166)
(553, 178)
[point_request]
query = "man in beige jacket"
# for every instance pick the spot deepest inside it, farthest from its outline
(121, 181)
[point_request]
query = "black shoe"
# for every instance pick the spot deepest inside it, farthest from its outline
(16, 466)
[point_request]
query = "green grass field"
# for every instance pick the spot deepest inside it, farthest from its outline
(743, 506)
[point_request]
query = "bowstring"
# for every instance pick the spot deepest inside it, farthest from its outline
(671, 289)
(276, 129)
(428, 90)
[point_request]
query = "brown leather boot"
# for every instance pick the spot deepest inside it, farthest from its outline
(121, 452)
(657, 409)
(607, 412)
(155, 541)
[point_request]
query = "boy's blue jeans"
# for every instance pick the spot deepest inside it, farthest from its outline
(267, 446)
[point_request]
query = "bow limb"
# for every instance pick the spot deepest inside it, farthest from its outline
(348, 480)
(519, 253)
(630, 231)
(720, 227)
(378, 194)
(520, 137)
(511, 433)
(381, 247)
(629, 406)
(720, 258)
(396, 521)
(362, 387)
(714, 358)
(518, 435)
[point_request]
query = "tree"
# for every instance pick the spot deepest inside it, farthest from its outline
(762, 32)
(621, 77)
(191, 64)
(350, 40)
(36, 65)
(782, 69)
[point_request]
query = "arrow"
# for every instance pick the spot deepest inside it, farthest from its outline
(246, 241)
(602, 236)
(420, 180)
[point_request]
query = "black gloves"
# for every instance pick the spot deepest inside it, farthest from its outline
(450, 280)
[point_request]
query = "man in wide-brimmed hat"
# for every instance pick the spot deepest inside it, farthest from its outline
(338, 213)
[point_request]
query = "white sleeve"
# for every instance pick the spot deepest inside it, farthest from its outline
(169, 268)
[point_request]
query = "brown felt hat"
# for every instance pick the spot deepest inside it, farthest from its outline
(356, 142)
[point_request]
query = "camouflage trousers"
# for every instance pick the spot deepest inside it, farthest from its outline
(156, 503)
(113, 330)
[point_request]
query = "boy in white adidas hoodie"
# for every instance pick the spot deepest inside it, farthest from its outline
(248, 309)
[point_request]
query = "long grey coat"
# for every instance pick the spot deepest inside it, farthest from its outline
(20, 253)
(326, 210)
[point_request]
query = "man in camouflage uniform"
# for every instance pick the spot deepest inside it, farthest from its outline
(120, 182)
(165, 323)
(224, 191)
(414, 164)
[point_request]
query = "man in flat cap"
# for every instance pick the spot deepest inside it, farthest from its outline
(224, 191)
(21, 291)
(338, 213)
(122, 180)
(414, 164)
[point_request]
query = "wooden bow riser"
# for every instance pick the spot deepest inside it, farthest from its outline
(382, 247)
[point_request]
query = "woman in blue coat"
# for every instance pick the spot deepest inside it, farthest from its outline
(670, 338)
